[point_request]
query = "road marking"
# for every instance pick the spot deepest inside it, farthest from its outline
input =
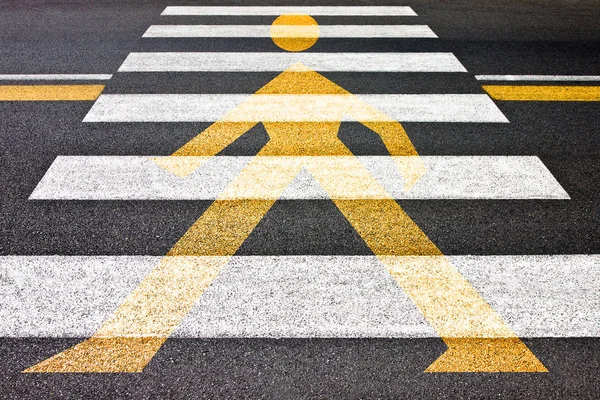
(50, 92)
(295, 32)
(56, 77)
(478, 339)
(447, 177)
(276, 11)
(213, 107)
(325, 31)
(544, 93)
(127, 341)
(267, 296)
(277, 62)
(558, 78)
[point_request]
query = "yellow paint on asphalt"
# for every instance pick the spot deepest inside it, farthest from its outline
(543, 93)
(181, 166)
(354, 181)
(299, 79)
(222, 228)
(295, 32)
(478, 339)
(300, 107)
(107, 355)
(50, 92)
(446, 299)
(492, 355)
(309, 135)
(128, 340)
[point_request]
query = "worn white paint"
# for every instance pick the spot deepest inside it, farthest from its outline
(447, 177)
(279, 61)
(291, 107)
(299, 296)
(264, 31)
(279, 10)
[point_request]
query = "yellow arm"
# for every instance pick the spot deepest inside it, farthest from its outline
(398, 144)
(214, 138)
(205, 145)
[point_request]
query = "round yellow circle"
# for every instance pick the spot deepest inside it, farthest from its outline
(294, 32)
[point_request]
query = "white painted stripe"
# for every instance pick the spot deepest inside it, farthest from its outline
(276, 11)
(448, 177)
(557, 78)
(299, 296)
(264, 31)
(276, 62)
(56, 77)
(287, 107)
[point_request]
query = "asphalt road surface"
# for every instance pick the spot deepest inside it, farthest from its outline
(500, 98)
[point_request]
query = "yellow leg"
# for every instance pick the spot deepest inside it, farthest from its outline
(128, 340)
(478, 339)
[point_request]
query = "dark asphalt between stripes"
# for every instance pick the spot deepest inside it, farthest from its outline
(559, 133)
(234, 82)
(303, 369)
(494, 37)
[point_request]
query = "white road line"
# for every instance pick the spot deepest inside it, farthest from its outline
(264, 31)
(277, 62)
(556, 78)
(288, 107)
(448, 177)
(299, 296)
(276, 11)
(57, 77)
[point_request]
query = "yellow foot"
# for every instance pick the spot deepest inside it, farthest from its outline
(121, 354)
(486, 355)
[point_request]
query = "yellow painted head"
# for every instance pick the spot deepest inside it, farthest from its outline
(295, 32)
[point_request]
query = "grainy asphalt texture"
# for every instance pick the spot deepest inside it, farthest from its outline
(491, 37)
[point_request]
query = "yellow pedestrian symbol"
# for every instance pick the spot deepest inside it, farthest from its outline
(301, 111)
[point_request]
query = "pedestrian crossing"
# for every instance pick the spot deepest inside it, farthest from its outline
(492, 297)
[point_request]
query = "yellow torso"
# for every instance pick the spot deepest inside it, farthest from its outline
(310, 137)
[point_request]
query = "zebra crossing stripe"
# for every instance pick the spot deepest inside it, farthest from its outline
(396, 11)
(266, 31)
(322, 62)
(447, 177)
(267, 296)
(321, 107)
